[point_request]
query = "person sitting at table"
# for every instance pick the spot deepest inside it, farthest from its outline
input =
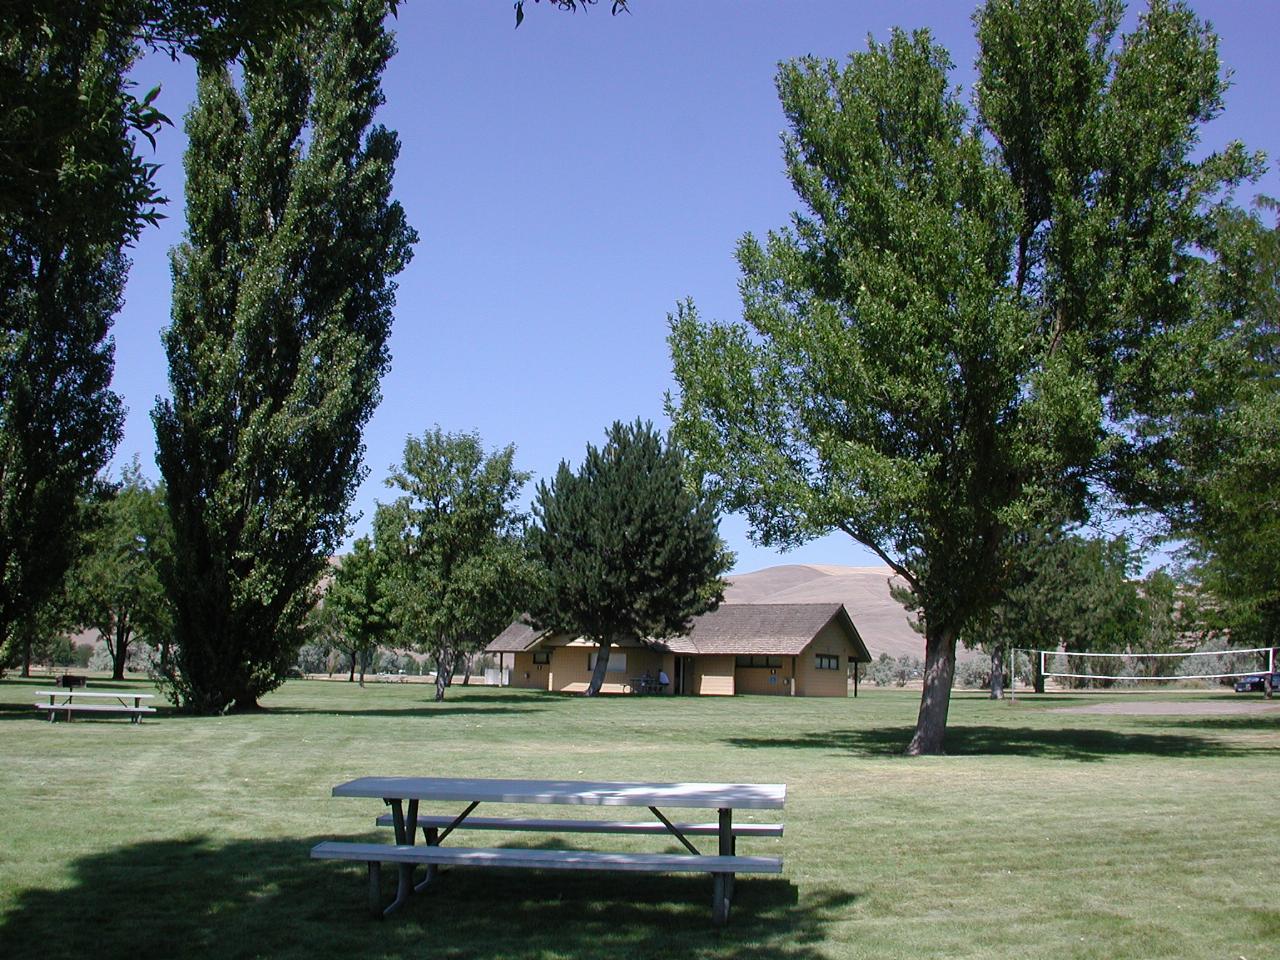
(646, 682)
(663, 680)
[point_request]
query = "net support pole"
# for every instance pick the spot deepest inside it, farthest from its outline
(1013, 670)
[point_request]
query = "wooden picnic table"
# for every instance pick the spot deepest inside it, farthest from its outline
(397, 792)
(69, 702)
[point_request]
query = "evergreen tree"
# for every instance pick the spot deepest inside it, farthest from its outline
(971, 322)
(628, 550)
(456, 571)
(281, 313)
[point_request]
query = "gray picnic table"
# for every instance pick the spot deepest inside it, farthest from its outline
(399, 792)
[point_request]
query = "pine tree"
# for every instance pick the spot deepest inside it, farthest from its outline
(281, 313)
(629, 550)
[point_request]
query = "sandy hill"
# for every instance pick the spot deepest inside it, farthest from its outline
(864, 591)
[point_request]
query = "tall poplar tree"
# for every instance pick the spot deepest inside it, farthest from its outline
(963, 333)
(281, 312)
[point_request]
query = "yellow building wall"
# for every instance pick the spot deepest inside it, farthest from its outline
(812, 682)
(774, 681)
(713, 676)
(528, 675)
(570, 671)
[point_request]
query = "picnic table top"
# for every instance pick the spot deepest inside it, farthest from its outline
(95, 693)
(757, 796)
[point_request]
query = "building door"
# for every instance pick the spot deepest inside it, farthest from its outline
(685, 675)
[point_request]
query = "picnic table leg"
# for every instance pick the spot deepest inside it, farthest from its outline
(375, 889)
(722, 886)
(404, 838)
(431, 835)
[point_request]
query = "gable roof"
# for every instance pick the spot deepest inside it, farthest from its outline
(773, 629)
(515, 639)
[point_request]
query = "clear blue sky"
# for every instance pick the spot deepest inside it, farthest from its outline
(570, 181)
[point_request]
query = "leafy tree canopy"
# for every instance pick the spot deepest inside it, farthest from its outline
(116, 587)
(456, 571)
(282, 308)
(962, 332)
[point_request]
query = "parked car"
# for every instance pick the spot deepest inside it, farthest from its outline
(1257, 683)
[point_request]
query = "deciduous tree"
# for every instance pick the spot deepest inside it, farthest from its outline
(116, 586)
(281, 313)
(959, 334)
(456, 571)
(358, 603)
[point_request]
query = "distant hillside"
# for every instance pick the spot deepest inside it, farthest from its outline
(864, 591)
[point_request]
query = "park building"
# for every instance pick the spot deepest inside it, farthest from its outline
(783, 649)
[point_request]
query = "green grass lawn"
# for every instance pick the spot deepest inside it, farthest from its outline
(1042, 834)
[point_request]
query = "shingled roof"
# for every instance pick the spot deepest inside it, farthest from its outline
(773, 629)
(515, 639)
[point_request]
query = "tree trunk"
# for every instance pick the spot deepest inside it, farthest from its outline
(26, 655)
(602, 664)
(935, 698)
(444, 671)
(1037, 673)
(351, 677)
(364, 665)
(119, 650)
(466, 668)
(997, 673)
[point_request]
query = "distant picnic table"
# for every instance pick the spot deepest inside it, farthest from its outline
(396, 792)
(70, 702)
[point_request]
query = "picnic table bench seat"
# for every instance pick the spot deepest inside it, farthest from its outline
(399, 792)
(67, 709)
(429, 822)
(70, 703)
(375, 854)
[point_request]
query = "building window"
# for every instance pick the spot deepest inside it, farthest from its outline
(542, 656)
(617, 662)
(755, 660)
(828, 661)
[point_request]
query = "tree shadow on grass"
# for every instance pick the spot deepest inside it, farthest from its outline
(1236, 723)
(445, 709)
(199, 898)
(1081, 744)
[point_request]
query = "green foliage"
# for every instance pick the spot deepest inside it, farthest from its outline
(356, 602)
(282, 309)
(456, 571)
(74, 190)
(955, 338)
(628, 549)
(116, 587)
(1066, 591)
(71, 122)
(1226, 439)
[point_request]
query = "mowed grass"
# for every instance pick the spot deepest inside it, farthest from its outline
(1042, 834)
